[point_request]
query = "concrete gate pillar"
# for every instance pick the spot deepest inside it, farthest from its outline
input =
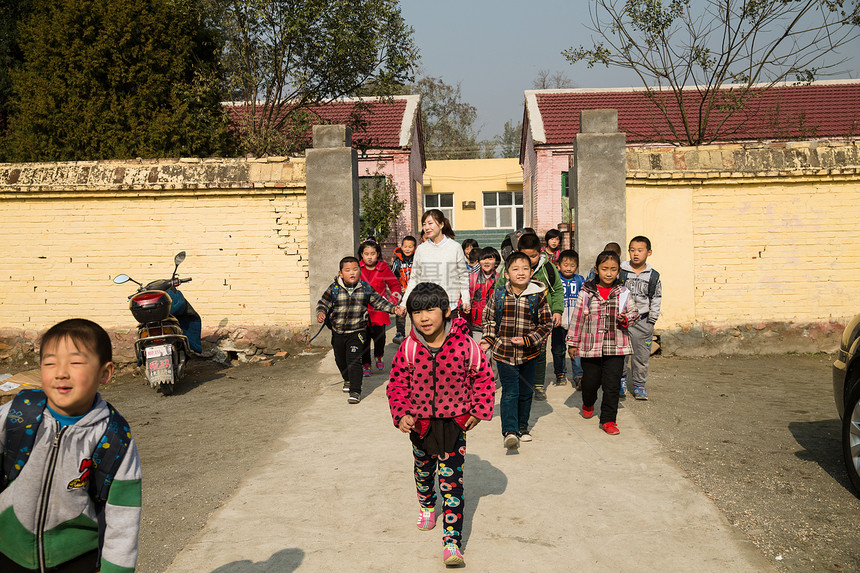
(597, 185)
(332, 199)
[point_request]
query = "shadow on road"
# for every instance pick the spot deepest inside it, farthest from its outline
(481, 478)
(822, 443)
(283, 561)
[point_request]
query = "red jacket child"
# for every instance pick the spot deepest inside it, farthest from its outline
(457, 383)
(380, 277)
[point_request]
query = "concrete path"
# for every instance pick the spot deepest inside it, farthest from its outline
(336, 494)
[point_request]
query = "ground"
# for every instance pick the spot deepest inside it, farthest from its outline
(759, 435)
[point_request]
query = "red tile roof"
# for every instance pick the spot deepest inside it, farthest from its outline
(381, 123)
(821, 109)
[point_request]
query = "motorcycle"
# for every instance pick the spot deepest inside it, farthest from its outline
(168, 330)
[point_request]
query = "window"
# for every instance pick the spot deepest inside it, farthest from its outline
(442, 201)
(565, 197)
(503, 210)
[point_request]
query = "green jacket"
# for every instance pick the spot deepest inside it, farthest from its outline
(542, 272)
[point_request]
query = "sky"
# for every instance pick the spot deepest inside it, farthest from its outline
(495, 49)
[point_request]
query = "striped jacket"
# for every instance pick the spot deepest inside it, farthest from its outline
(517, 320)
(348, 306)
(594, 329)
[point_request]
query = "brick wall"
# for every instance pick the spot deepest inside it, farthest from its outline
(757, 244)
(68, 229)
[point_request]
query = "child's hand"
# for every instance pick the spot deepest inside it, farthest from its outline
(399, 310)
(406, 424)
(320, 317)
(622, 321)
(572, 352)
(471, 423)
(556, 319)
(484, 345)
(467, 308)
(518, 341)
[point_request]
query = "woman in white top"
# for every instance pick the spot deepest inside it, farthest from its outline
(440, 259)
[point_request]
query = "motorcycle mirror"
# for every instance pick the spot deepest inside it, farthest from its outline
(119, 279)
(180, 256)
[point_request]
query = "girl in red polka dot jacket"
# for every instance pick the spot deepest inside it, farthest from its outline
(441, 386)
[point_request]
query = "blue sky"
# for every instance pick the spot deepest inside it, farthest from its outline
(495, 48)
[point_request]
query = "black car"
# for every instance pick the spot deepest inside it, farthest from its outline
(846, 393)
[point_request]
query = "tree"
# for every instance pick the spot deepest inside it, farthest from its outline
(447, 121)
(546, 80)
(283, 57)
(380, 206)
(12, 12)
(704, 46)
(510, 139)
(115, 79)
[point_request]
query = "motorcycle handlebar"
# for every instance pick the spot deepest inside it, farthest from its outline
(188, 280)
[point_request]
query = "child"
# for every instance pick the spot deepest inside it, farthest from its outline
(517, 321)
(402, 268)
(644, 283)
(598, 334)
(568, 264)
(375, 272)
(441, 386)
(547, 275)
(481, 284)
(471, 250)
(79, 528)
(439, 259)
(615, 248)
(345, 304)
(552, 240)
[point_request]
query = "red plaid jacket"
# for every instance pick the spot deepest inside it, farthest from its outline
(594, 329)
(517, 320)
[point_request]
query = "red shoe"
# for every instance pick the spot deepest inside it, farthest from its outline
(610, 428)
(587, 412)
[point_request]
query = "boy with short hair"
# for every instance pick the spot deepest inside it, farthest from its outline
(401, 266)
(568, 264)
(56, 514)
(644, 284)
(345, 304)
(547, 274)
(516, 323)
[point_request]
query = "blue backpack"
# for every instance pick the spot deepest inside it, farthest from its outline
(533, 299)
(22, 425)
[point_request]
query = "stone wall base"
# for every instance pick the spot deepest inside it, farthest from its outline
(762, 338)
(242, 344)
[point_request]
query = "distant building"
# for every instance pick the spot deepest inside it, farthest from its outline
(821, 110)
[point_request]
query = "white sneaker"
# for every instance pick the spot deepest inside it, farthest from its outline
(512, 442)
(525, 436)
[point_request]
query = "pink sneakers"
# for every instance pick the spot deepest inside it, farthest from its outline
(380, 364)
(451, 554)
(426, 518)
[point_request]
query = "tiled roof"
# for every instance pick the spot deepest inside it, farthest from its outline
(818, 110)
(383, 124)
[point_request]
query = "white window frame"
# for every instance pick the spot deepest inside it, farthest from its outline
(437, 199)
(515, 208)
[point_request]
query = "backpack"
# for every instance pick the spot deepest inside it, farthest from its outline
(410, 350)
(334, 288)
(652, 281)
(500, 304)
(22, 425)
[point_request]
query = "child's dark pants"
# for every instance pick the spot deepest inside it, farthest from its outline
(559, 352)
(603, 372)
(450, 484)
(376, 333)
(348, 349)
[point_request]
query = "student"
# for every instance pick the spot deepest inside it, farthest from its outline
(546, 274)
(551, 249)
(375, 272)
(441, 386)
(440, 260)
(568, 264)
(471, 250)
(74, 531)
(517, 321)
(598, 334)
(615, 248)
(644, 284)
(482, 282)
(401, 266)
(345, 303)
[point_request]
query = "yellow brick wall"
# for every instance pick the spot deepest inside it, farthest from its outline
(740, 247)
(246, 250)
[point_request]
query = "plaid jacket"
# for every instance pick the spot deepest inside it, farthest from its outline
(594, 329)
(348, 306)
(516, 320)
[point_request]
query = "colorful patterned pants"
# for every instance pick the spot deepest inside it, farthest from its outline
(450, 469)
